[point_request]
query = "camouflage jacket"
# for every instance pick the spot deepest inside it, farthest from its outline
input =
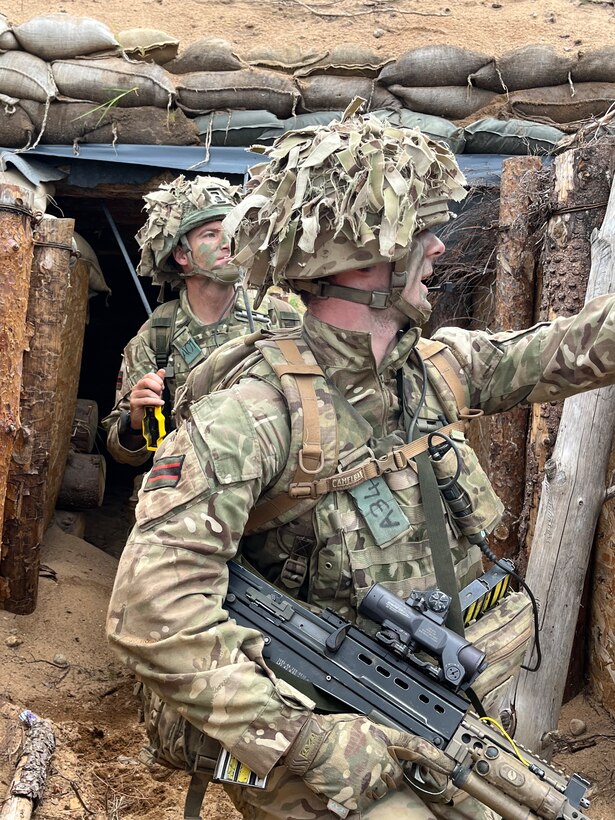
(139, 357)
(166, 618)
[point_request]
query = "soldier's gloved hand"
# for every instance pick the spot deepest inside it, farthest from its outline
(346, 760)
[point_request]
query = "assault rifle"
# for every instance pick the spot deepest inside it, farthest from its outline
(385, 679)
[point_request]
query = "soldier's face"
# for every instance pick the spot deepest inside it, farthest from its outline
(210, 245)
(425, 249)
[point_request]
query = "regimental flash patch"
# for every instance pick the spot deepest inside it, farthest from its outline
(166, 472)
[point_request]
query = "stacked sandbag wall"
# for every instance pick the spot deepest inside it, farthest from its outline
(67, 79)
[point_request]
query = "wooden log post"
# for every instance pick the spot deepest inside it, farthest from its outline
(28, 784)
(16, 250)
(68, 382)
(27, 480)
(572, 496)
(581, 184)
(500, 440)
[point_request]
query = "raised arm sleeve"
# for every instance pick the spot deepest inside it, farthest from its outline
(548, 362)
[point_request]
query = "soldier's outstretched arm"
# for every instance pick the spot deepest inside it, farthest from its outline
(548, 362)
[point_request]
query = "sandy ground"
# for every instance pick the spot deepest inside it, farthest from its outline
(56, 663)
(390, 27)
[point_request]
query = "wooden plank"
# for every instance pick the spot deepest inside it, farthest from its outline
(15, 262)
(572, 497)
(28, 479)
(68, 382)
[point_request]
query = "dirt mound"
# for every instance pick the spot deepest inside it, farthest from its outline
(389, 26)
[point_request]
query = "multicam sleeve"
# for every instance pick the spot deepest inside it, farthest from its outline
(548, 362)
(166, 618)
(138, 359)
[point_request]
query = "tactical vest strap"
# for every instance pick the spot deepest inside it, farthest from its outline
(310, 458)
(438, 354)
(397, 459)
(162, 324)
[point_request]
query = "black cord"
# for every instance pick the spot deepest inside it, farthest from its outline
(483, 545)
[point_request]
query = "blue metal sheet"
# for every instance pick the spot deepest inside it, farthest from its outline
(90, 165)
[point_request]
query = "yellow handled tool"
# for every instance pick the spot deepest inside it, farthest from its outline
(154, 427)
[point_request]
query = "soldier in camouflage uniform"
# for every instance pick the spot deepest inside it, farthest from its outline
(182, 243)
(342, 214)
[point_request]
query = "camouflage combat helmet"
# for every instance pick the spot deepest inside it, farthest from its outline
(342, 197)
(174, 209)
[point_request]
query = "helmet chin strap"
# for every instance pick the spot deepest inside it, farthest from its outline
(377, 299)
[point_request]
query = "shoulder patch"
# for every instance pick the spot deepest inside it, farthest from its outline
(166, 472)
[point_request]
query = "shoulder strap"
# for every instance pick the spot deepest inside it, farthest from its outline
(314, 435)
(449, 369)
(162, 325)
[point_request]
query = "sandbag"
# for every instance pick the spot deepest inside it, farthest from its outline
(437, 128)
(16, 127)
(347, 61)
(284, 58)
(208, 54)
(491, 136)
(25, 76)
(527, 67)
(241, 128)
(451, 102)
(433, 65)
(41, 192)
(104, 80)
(8, 41)
(249, 88)
(70, 121)
(148, 44)
(326, 92)
(62, 36)
(595, 66)
(557, 104)
(96, 279)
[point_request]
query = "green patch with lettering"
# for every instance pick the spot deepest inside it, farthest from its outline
(384, 517)
(189, 350)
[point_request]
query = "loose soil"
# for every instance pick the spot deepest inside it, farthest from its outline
(56, 663)
(388, 26)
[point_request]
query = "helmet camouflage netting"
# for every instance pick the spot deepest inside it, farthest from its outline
(342, 196)
(173, 209)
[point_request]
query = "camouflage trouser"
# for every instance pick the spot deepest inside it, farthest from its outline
(288, 798)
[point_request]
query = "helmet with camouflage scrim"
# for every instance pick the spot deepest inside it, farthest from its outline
(343, 197)
(174, 209)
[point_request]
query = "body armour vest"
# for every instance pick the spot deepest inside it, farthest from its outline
(329, 550)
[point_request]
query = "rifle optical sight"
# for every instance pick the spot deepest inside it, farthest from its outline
(417, 624)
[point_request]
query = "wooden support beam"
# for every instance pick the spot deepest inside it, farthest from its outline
(28, 473)
(581, 185)
(572, 497)
(68, 382)
(503, 436)
(15, 263)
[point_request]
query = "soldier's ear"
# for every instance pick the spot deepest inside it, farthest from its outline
(180, 256)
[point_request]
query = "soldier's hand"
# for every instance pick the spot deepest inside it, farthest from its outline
(147, 392)
(347, 760)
